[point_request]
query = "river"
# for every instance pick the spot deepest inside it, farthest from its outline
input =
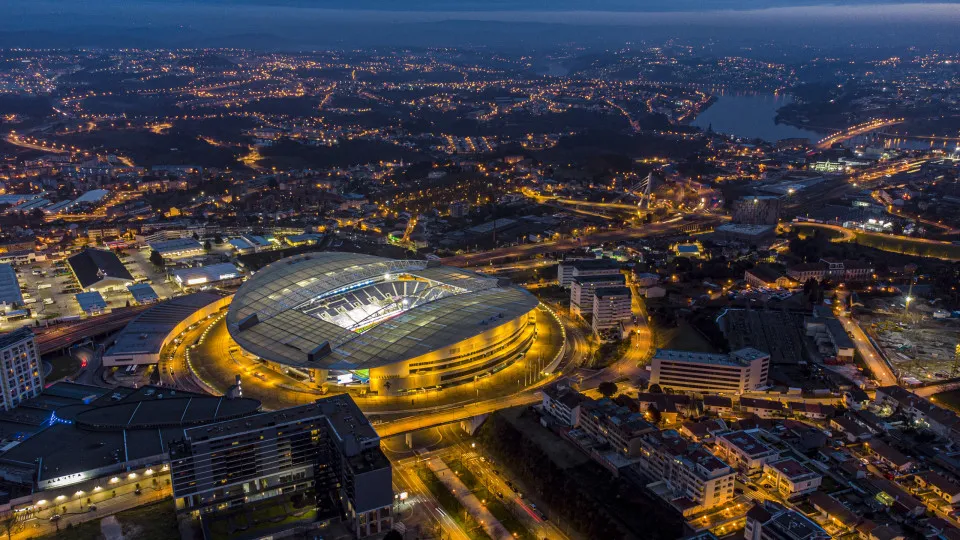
(751, 116)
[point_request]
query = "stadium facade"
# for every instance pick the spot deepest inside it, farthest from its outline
(389, 326)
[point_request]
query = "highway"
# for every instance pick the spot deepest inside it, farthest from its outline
(61, 336)
(613, 235)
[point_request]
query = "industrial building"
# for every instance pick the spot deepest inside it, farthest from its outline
(391, 326)
(202, 277)
(99, 270)
(178, 248)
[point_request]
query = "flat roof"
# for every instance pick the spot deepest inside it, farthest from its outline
(175, 245)
(746, 443)
(737, 358)
(206, 274)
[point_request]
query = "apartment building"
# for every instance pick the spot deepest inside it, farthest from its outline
(583, 288)
(327, 446)
(607, 421)
(790, 478)
(22, 375)
(772, 521)
(695, 479)
(563, 404)
(743, 450)
(611, 308)
(735, 373)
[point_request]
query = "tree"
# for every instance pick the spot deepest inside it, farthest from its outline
(655, 389)
(653, 414)
(207, 246)
(607, 388)
(218, 238)
(156, 258)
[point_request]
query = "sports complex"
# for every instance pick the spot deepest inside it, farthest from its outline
(383, 326)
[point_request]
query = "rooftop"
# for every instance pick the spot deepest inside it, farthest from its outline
(738, 358)
(94, 265)
(147, 333)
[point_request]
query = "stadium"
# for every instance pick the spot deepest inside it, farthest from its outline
(382, 325)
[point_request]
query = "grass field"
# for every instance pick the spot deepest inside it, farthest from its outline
(63, 366)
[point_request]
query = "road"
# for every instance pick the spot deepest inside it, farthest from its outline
(871, 356)
(615, 235)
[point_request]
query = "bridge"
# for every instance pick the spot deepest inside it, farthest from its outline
(856, 130)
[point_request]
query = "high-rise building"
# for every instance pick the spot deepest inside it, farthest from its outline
(757, 210)
(582, 290)
(738, 372)
(611, 306)
(327, 446)
(22, 376)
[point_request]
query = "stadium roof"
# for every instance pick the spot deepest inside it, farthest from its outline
(269, 315)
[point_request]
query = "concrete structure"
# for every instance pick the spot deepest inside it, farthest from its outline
(178, 249)
(21, 377)
(790, 478)
(327, 446)
(611, 310)
(752, 234)
(145, 337)
(744, 451)
(582, 291)
(568, 270)
(695, 480)
(392, 326)
(757, 210)
(735, 373)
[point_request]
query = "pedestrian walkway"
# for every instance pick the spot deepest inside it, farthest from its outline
(490, 524)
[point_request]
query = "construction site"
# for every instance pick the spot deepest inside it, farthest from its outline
(921, 348)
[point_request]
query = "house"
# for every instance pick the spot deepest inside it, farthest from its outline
(893, 496)
(764, 408)
(718, 405)
(703, 431)
(888, 455)
(853, 430)
(833, 510)
(945, 488)
(811, 411)
(764, 276)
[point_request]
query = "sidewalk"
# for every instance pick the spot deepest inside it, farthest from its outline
(479, 512)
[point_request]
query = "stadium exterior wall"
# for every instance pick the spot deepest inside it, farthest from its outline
(476, 356)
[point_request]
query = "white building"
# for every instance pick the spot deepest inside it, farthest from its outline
(22, 375)
(611, 307)
(695, 479)
(583, 288)
(744, 451)
(204, 276)
(738, 372)
(790, 478)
